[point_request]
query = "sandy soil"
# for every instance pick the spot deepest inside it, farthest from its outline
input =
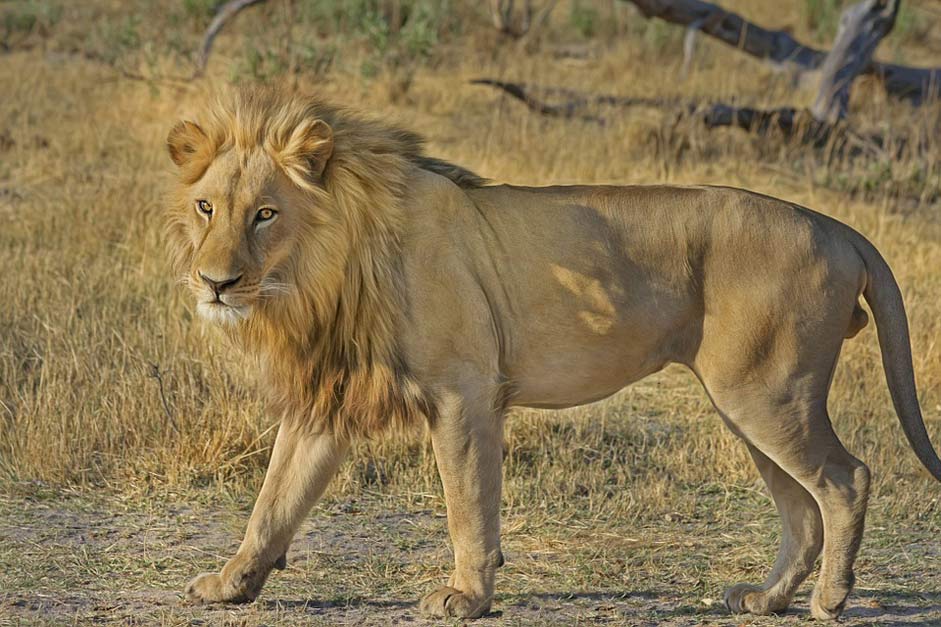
(86, 561)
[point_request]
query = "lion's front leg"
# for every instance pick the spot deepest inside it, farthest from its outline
(301, 466)
(468, 445)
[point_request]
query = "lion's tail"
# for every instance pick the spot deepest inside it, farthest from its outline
(885, 299)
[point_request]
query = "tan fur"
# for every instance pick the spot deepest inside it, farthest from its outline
(394, 287)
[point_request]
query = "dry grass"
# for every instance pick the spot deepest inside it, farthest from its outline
(89, 315)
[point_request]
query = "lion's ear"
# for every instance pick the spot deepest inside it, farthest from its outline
(185, 142)
(305, 154)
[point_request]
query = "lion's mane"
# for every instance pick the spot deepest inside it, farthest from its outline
(327, 352)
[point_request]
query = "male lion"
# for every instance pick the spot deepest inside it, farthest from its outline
(379, 287)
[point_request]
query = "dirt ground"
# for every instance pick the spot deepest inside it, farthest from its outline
(74, 559)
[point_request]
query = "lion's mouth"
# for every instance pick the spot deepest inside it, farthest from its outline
(221, 312)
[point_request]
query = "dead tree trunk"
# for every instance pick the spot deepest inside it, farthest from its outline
(862, 28)
(782, 49)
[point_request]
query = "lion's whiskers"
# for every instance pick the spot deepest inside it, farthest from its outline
(274, 288)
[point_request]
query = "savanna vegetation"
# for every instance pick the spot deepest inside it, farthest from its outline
(132, 442)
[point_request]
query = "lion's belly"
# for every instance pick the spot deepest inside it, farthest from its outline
(559, 393)
(580, 368)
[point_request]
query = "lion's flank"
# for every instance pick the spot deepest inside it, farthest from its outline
(329, 350)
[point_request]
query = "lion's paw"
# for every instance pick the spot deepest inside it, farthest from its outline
(825, 611)
(209, 588)
(745, 598)
(448, 602)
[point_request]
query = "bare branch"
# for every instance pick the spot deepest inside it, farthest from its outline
(155, 373)
(574, 105)
(789, 121)
(226, 12)
(689, 46)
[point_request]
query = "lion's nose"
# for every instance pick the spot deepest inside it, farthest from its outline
(219, 285)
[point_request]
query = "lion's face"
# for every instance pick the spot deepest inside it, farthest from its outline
(239, 221)
(241, 228)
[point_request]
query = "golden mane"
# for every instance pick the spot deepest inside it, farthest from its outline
(328, 351)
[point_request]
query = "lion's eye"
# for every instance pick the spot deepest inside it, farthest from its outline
(204, 207)
(264, 214)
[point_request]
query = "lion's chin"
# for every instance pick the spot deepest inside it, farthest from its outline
(222, 314)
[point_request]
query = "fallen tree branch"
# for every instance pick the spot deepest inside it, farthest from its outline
(791, 123)
(226, 12)
(776, 46)
(575, 104)
(782, 49)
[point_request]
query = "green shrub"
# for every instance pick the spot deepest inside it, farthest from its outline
(822, 17)
(584, 19)
(26, 17)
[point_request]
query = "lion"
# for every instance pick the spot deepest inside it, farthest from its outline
(378, 288)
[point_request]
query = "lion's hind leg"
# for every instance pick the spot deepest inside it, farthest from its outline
(796, 435)
(801, 541)
(769, 347)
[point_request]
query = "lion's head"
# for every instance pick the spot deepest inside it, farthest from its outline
(278, 193)
(250, 218)
(285, 224)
